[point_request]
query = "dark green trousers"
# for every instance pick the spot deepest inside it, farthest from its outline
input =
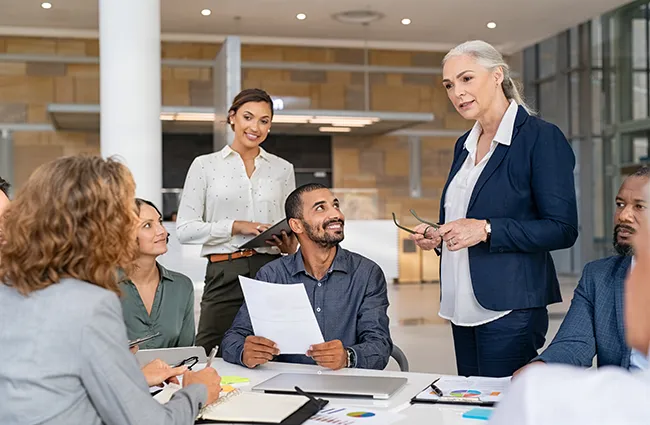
(223, 297)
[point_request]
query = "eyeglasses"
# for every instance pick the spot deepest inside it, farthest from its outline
(189, 362)
(414, 214)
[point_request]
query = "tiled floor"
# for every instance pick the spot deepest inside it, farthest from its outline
(426, 339)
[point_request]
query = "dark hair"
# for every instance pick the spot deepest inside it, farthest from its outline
(642, 172)
(293, 204)
(139, 202)
(249, 95)
(4, 186)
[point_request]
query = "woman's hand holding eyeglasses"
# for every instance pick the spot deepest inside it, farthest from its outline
(426, 237)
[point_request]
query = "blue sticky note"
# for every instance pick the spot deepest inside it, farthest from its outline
(478, 413)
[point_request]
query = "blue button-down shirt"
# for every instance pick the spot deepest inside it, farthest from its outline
(638, 361)
(350, 303)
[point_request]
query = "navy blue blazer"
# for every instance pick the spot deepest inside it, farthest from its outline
(594, 324)
(527, 192)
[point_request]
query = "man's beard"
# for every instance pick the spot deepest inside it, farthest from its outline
(621, 248)
(326, 240)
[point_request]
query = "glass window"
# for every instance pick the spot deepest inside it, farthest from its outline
(574, 103)
(612, 98)
(548, 57)
(548, 101)
(599, 190)
(640, 95)
(639, 149)
(639, 39)
(596, 101)
(612, 40)
(596, 43)
(574, 48)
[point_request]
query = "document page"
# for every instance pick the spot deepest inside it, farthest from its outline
(471, 388)
(283, 314)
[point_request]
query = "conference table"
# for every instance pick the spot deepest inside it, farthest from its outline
(400, 402)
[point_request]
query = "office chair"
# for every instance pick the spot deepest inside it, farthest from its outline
(400, 358)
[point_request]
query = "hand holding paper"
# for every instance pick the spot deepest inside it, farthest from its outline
(281, 315)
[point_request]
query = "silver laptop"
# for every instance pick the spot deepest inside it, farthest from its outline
(333, 385)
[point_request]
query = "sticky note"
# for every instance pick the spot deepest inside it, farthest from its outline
(229, 380)
(227, 388)
(481, 414)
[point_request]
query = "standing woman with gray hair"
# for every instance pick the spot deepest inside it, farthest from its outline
(508, 202)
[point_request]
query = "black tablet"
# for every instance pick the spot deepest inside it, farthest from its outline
(259, 241)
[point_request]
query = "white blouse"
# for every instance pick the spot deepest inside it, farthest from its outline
(459, 304)
(218, 191)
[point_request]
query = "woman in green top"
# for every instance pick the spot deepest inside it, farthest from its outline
(156, 299)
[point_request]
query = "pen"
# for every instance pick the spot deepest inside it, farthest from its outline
(211, 357)
(435, 388)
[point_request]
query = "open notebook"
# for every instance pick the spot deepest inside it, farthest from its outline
(235, 407)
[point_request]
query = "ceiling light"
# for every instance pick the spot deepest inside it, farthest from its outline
(491, 25)
(301, 16)
(187, 116)
(206, 12)
(290, 119)
(334, 129)
(406, 21)
(46, 5)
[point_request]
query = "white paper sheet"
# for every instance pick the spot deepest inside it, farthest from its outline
(337, 415)
(283, 314)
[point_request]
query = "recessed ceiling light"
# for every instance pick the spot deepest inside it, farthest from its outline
(491, 25)
(334, 129)
(206, 12)
(46, 5)
(301, 16)
(406, 21)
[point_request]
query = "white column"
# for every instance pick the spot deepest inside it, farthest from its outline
(7, 157)
(130, 92)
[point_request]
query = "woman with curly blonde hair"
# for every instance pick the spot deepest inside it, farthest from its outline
(64, 356)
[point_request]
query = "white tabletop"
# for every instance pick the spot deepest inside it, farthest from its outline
(400, 402)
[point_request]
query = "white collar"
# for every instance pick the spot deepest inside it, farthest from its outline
(227, 150)
(504, 132)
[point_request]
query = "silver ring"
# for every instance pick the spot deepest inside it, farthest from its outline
(452, 241)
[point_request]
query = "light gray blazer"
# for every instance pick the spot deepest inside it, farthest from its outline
(64, 359)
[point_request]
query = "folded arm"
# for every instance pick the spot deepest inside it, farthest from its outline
(575, 342)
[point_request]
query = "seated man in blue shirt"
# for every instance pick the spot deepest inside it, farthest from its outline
(346, 291)
(594, 324)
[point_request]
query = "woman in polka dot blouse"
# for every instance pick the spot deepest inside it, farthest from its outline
(229, 197)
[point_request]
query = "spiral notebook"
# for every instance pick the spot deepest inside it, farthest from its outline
(235, 407)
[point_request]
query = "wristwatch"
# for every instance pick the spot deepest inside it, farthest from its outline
(352, 358)
(488, 229)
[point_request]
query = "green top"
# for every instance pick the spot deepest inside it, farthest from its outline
(172, 313)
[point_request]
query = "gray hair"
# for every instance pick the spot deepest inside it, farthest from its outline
(490, 58)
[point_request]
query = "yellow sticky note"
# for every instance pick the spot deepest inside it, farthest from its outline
(227, 388)
(229, 380)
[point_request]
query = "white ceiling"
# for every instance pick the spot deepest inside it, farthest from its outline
(435, 23)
